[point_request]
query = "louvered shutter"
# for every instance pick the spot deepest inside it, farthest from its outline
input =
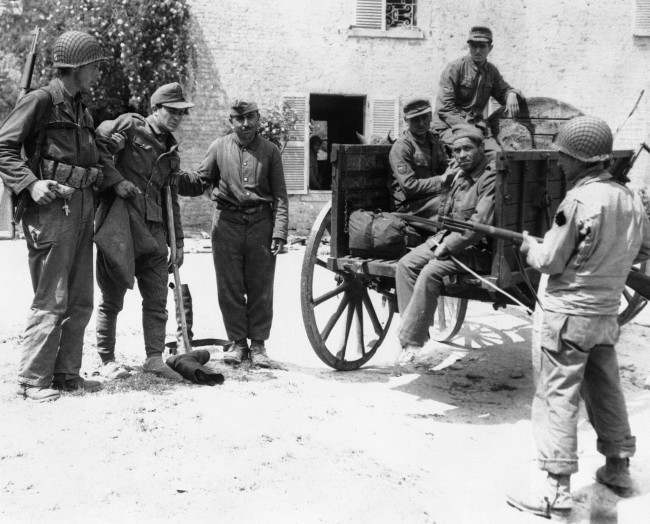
(6, 211)
(642, 18)
(384, 119)
(294, 153)
(371, 14)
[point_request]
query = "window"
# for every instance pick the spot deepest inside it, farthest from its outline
(386, 18)
(641, 18)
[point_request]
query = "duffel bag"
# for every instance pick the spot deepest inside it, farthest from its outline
(374, 234)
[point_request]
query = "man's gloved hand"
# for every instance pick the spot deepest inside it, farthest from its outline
(512, 104)
(277, 244)
(126, 189)
(43, 191)
(179, 259)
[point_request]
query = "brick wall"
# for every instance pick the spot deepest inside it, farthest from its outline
(579, 51)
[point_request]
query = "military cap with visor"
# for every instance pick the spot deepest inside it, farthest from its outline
(242, 107)
(76, 49)
(480, 33)
(170, 95)
(416, 107)
(585, 138)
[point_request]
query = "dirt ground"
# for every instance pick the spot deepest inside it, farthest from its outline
(306, 444)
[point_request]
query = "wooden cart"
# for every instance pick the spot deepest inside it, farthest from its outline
(348, 302)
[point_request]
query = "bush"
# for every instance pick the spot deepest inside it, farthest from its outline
(148, 41)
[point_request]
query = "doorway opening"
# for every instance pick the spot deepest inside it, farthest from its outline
(335, 119)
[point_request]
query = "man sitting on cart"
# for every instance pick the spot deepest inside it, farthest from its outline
(417, 161)
(419, 275)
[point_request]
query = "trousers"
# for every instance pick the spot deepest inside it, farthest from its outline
(245, 269)
(419, 283)
(151, 274)
(60, 252)
(574, 358)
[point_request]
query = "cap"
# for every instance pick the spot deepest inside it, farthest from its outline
(170, 95)
(466, 131)
(242, 107)
(585, 138)
(480, 33)
(76, 49)
(416, 107)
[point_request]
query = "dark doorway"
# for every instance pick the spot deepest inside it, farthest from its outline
(336, 119)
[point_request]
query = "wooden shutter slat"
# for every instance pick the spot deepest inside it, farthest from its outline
(293, 155)
(370, 14)
(642, 18)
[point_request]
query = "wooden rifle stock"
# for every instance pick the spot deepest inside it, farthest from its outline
(28, 70)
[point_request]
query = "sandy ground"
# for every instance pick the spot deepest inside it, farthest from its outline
(307, 444)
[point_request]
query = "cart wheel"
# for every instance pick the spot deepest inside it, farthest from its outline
(346, 321)
(448, 318)
(631, 302)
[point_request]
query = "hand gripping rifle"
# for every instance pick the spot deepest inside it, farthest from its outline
(637, 280)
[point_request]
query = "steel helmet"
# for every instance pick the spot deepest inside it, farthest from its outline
(76, 49)
(585, 138)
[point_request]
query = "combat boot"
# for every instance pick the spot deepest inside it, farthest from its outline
(259, 357)
(237, 353)
(154, 364)
(554, 498)
(615, 474)
(38, 394)
(75, 384)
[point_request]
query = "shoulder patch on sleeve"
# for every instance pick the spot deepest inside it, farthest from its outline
(560, 218)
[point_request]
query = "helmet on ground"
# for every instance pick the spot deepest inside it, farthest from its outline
(76, 49)
(585, 138)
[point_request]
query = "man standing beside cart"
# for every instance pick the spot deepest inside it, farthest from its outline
(600, 230)
(419, 274)
(249, 228)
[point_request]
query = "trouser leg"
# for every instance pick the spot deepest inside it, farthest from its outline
(228, 253)
(80, 295)
(407, 271)
(259, 273)
(605, 403)
(151, 274)
(111, 304)
(417, 316)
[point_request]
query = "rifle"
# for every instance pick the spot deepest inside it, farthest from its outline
(636, 279)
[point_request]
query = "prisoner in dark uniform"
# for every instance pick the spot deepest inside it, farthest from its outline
(417, 161)
(54, 184)
(249, 227)
(147, 157)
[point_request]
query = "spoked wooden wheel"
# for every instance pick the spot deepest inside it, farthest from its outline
(346, 320)
(448, 318)
(632, 302)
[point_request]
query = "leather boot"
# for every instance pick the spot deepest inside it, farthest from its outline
(37, 394)
(75, 384)
(259, 357)
(237, 353)
(154, 364)
(615, 474)
(554, 498)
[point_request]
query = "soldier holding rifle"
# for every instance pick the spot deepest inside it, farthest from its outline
(600, 230)
(55, 181)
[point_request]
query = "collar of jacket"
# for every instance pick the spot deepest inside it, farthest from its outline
(593, 174)
(428, 138)
(253, 144)
(164, 136)
(469, 62)
(60, 94)
(475, 173)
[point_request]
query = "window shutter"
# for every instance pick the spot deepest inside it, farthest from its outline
(384, 119)
(295, 151)
(641, 18)
(371, 14)
(6, 211)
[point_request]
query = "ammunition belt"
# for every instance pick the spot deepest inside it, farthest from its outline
(73, 176)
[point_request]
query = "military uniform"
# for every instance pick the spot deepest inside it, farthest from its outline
(150, 160)
(419, 274)
(58, 136)
(251, 209)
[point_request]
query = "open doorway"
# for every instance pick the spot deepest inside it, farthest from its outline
(335, 119)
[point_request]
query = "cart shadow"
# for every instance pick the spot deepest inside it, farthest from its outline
(484, 376)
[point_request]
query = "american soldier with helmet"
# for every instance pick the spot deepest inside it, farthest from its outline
(62, 165)
(600, 230)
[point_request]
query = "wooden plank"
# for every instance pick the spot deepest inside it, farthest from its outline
(339, 239)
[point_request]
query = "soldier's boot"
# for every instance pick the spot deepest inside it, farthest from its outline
(75, 384)
(111, 370)
(189, 319)
(259, 357)
(154, 364)
(38, 394)
(237, 353)
(615, 474)
(553, 498)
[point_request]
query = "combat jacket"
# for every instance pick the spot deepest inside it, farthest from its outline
(464, 91)
(600, 230)
(242, 177)
(416, 166)
(150, 160)
(471, 197)
(59, 127)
